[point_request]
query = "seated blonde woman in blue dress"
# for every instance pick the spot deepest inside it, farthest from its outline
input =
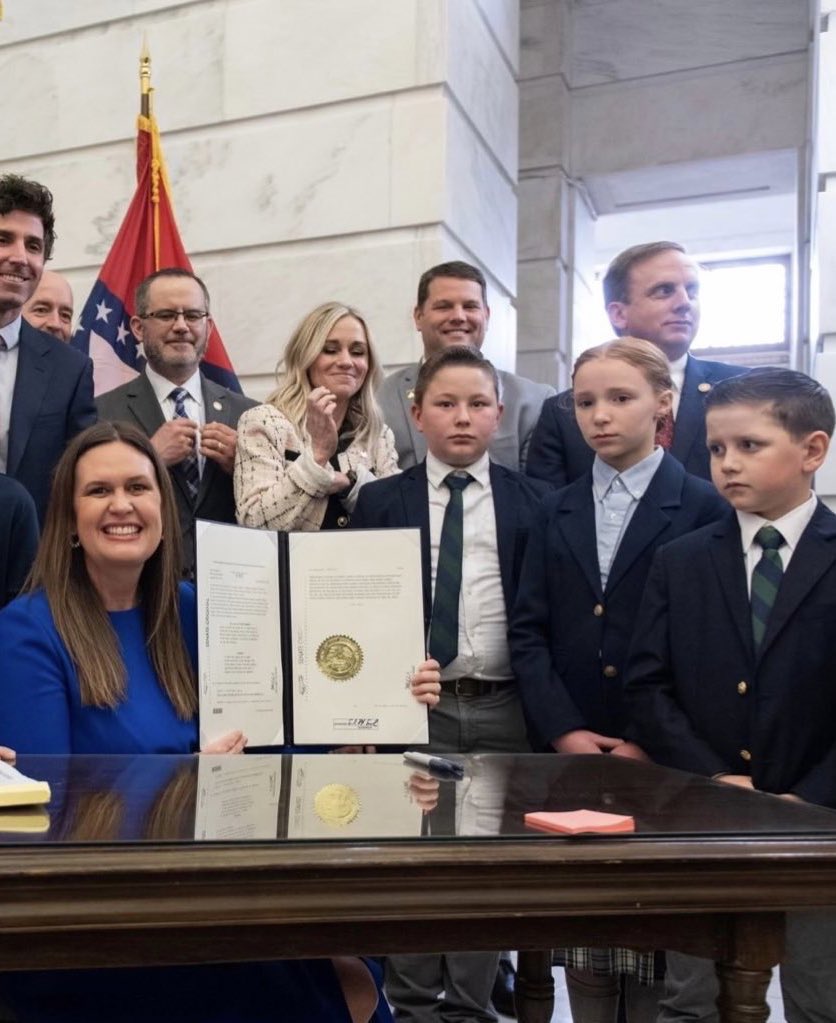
(99, 657)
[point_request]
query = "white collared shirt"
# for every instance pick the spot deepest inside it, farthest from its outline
(483, 625)
(678, 367)
(8, 374)
(790, 526)
(193, 403)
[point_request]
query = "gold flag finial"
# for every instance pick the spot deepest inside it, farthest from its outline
(144, 78)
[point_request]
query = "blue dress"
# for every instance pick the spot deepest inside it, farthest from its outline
(41, 712)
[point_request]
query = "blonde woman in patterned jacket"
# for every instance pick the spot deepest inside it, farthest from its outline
(302, 457)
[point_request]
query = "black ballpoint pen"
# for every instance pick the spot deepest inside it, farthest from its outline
(440, 764)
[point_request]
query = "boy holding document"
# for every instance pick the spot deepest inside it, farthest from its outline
(474, 517)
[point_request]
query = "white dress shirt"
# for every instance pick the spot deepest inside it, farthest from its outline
(678, 377)
(483, 626)
(790, 526)
(8, 373)
(193, 403)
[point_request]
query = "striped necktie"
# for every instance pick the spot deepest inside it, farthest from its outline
(444, 628)
(766, 579)
(189, 465)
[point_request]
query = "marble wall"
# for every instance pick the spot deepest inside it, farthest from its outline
(316, 149)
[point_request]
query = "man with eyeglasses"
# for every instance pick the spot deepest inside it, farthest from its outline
(190, 419)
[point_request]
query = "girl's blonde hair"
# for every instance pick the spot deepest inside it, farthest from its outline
(363, 420)
(642, 355)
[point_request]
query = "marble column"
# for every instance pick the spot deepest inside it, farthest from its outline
(612, 89)
(822, 226)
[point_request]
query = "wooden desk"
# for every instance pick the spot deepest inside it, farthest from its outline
(685, 881)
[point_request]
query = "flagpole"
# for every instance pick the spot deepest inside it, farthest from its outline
(145, 80)
(146, 113)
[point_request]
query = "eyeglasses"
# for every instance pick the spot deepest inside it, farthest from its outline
(171, 315)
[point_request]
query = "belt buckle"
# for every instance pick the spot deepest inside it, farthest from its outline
(466, 687)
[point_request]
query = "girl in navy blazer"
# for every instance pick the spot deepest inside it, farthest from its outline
(586, 562)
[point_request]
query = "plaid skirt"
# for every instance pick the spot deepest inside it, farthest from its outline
(646, 967)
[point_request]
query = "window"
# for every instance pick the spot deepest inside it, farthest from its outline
(745, 307)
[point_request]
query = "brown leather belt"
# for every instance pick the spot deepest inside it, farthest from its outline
(473, 687)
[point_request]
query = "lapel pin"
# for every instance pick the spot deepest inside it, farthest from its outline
(704, 387)
(410, 395)
(217, 406)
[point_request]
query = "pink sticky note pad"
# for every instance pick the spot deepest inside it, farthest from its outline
(575, 822)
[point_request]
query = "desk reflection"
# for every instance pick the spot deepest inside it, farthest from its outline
(349, 797)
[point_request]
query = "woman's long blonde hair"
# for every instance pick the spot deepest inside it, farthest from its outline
(363, 420)
(77, 609)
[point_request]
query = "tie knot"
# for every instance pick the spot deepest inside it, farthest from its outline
(179, 394)
(458, 482)
(769, 538)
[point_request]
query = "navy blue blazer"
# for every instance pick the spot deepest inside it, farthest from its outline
(559, 454)
(18, 537)
(403, 500)
(569, 638)
(52, 402)
(699, 696)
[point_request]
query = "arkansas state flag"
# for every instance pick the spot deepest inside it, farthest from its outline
(147, 241)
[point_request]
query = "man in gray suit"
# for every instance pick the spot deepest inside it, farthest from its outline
(191, 420)
(452, 309)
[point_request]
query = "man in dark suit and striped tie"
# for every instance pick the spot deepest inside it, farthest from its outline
(190, 419)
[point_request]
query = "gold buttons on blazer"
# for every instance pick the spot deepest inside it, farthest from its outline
(610, 671)
(743, 688)
(598, 610)
(745, 755)
(704, 387)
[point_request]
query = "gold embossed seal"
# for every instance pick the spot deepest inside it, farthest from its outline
(339, 657)
(337, 805)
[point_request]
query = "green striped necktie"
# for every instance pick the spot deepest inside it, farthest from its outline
(766, 579)
(444, 628)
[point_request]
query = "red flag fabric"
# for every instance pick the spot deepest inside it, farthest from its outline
(148, 240)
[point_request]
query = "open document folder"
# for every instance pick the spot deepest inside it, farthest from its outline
(310, 637)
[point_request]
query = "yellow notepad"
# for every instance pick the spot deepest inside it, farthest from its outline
(18, 790)
(24, 820)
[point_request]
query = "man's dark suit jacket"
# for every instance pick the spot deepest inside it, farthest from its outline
(52, 402)
(569, 637)
(699, 695)
(403, 500)
(135, 402)
(559, 454)
(18, 537)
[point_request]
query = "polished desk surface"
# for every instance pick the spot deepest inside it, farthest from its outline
(348, 798)
(143, 860)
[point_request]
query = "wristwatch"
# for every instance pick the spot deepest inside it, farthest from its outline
(352, 480)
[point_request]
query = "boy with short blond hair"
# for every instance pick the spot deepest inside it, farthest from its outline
(731, 673)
